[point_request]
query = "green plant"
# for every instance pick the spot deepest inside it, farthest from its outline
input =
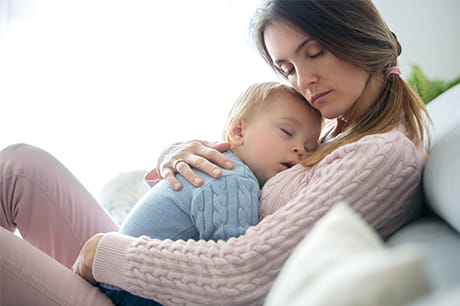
(428, 89)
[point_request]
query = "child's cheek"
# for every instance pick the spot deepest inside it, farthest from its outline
(265, 146)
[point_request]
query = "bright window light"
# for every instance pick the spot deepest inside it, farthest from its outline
(105, 86)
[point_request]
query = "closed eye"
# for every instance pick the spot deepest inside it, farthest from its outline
(289, 73)
(317, 54)
(286, 132)
(286, 69)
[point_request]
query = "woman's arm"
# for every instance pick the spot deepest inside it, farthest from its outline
(377, 176)
(83, 266)
(199, 154)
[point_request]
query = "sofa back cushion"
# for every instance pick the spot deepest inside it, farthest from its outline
(441, 178)
(445, 113)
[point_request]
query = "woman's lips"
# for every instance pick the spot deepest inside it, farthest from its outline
(319, 97)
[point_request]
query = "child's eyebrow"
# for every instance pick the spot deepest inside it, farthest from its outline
(292, 120)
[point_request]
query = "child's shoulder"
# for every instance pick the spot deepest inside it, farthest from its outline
(240, 177)
(239, 169)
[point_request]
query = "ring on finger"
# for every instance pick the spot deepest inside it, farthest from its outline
(178, 162)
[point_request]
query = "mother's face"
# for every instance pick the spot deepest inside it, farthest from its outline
(330, 84)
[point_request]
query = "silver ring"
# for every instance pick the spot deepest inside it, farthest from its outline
(178, 162)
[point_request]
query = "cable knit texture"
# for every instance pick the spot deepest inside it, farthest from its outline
(377, 176)
(219, 209)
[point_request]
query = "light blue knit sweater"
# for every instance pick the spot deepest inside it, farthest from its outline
(219, 209)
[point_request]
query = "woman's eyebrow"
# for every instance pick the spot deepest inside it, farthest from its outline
(297, 50)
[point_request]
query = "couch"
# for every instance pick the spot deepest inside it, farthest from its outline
(342, 261)
(436, 234)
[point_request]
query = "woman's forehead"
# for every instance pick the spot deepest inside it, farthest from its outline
(284, 38)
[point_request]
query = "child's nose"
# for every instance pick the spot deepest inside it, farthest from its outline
(299, 149)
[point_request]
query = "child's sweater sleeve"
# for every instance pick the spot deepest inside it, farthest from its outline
(225, 207)
(376, 175)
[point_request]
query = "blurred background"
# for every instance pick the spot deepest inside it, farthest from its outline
(106, 85)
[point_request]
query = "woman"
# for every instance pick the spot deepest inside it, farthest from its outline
(341, 56)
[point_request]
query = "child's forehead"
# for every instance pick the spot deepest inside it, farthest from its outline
(284, 92)
(286, 96)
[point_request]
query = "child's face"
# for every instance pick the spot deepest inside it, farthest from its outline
(278, 134)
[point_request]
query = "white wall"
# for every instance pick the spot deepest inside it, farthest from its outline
(3, 18)
(429, 32)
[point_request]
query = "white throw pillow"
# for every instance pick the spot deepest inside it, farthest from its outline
(342, 261)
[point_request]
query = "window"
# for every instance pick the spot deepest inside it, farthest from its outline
(106, 85)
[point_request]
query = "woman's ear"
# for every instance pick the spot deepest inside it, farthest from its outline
(236, 133)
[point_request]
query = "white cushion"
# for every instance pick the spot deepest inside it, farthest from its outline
(342, 261)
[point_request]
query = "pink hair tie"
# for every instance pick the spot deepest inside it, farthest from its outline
(393, 70)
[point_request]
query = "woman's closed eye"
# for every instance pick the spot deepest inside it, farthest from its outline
(314, 50)
(287, 70)
(318, 54)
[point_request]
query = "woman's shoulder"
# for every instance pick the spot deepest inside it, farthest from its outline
(391, 145)
(394, 135)
(395, 138)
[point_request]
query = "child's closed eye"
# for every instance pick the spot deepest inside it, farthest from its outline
(286, 132)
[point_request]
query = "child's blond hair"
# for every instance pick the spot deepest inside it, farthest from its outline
(252, 98)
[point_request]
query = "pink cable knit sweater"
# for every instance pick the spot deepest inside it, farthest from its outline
(376, 175)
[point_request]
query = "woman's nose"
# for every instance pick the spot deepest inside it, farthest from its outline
(306, 78)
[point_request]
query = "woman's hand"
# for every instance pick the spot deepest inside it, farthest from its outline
(202, 155)
(83, 266)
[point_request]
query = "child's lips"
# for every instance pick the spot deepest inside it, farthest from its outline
(288, 164)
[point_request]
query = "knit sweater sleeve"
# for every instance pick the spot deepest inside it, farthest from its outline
(225, 207)
(376, 175)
